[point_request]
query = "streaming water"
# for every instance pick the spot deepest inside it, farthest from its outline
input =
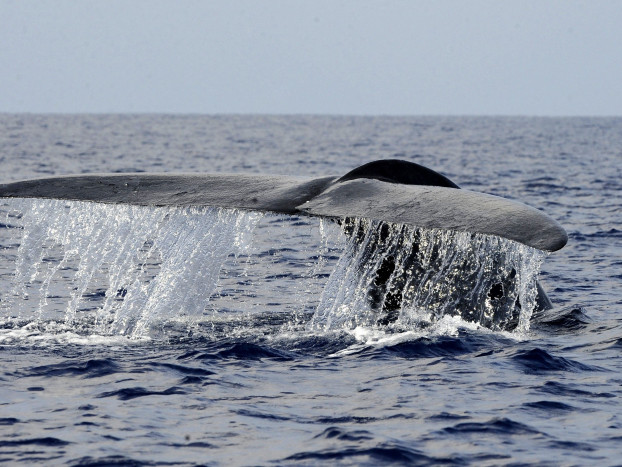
(421, 275)
(147, 265)
(135, 270)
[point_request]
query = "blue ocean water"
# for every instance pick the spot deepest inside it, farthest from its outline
(147, 336)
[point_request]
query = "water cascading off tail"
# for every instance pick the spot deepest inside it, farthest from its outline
(420, 275)
(144, 263)
(127, 270)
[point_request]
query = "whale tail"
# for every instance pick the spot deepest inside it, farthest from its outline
(384, 194)
(392, 191)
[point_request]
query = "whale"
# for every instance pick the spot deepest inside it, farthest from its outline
(389, 191)
(394, 191)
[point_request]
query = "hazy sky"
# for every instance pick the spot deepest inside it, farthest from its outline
(317, 56)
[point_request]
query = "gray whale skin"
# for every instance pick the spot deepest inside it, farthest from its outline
(386, 190)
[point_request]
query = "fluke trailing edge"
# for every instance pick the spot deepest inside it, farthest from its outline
(387, 190)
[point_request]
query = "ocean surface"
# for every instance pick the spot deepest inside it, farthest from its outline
(203, 336)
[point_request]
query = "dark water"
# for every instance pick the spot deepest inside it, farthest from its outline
(226, 370)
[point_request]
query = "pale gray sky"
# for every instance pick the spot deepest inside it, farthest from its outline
(477, 57)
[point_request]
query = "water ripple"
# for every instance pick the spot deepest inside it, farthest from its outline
(132, 393)
(540, 361)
